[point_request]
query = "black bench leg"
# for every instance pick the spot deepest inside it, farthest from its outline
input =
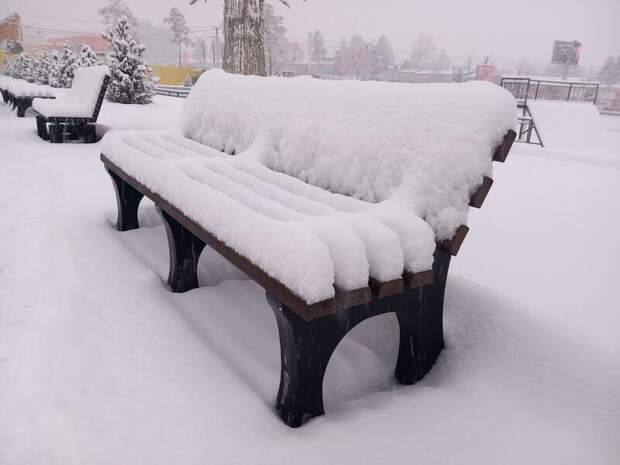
(305, 349)
(90, 133)
(21, 109)
(127, 200)
(185, 250)
(420, 318)
(307, 346)
(42, 128)
(56, 133)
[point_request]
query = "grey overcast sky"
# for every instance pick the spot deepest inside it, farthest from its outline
(506, 29)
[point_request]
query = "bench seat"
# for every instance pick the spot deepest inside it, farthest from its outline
(311, 240)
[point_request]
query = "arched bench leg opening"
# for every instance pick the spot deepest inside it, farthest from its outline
(127, 200)
(307, 346)
(185, 249)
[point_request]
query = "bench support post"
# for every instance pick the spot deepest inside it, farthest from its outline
(42, 128)
(185, 250)
(421, 326)
(307, 346)
(127, 200)
(56, 133)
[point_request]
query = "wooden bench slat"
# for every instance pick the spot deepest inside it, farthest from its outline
(501, 152)
(421, 279)
(453, 245)
(480, 195)
(271, 285)
(382, 289)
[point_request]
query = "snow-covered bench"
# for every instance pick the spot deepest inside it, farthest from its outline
(345, 200)
(75, 113)
(21, 93)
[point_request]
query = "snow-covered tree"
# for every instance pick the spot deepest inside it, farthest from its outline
(116, 10)
(381, 55)
(22, 67)
(244, 47)
(276, 45)
(64, 66)
(180, 31)
(131, 78)
(54, 69)
(318, 51)
(87, 57)
(43, 68)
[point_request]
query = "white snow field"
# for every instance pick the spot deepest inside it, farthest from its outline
(101, 364)
(571, 127)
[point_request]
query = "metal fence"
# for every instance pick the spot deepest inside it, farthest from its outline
(525, 89)
(173, 91)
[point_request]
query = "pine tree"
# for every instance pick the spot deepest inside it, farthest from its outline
(116, 10)
(44, 66)
(87, 57)
(180, 31)
(276, 45)
(54, 74)
(382, 55)
(318, 52)
(66, 66)
(131, 78)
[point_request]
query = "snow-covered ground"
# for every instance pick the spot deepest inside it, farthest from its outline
(101, 364)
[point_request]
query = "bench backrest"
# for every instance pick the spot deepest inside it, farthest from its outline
(88, 88)
(427, 145)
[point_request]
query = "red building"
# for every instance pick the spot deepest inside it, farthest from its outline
(98, 44)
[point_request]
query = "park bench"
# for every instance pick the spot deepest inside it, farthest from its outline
(20, 93)
(335, 225)
(74, 114)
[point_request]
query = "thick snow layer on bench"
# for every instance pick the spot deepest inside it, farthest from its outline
(79, 101)
(422, 147)
(334, 182)
(21, 88)
(307, 238)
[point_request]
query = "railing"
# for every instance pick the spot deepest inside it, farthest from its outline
(173, 91)
(525, 89)
(527, 129)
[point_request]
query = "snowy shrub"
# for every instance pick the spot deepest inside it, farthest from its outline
(131, 78)
(64, 66)
(87, 57)
(21, 67)
(54, 69)
(43, 68)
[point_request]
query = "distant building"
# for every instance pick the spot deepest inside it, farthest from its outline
(98, 44)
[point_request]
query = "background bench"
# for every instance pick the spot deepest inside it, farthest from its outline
(73, 116)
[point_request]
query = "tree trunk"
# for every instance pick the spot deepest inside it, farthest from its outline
(244, 50)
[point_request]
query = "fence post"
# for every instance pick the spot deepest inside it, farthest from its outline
(570, 89)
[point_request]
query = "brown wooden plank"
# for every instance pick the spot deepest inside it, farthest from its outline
(502, 150)
(383, 289)
(420, 279)
(347, 299)
(453, 244)
(480, 195)
(344, 299)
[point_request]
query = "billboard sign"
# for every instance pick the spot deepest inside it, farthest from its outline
(565, 52)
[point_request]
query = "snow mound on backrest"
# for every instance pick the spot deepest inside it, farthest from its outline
(86, 86)
(427, 145)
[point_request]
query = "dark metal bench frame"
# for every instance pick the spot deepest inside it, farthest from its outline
(309, 334)
(20, 103)
(57, 129)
